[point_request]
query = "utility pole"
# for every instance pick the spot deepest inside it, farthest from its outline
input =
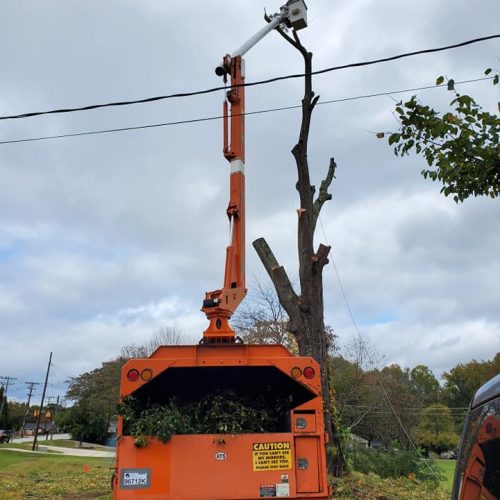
(41, 404)
(31, 385)
(4, 398)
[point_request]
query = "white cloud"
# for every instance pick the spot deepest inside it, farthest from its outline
(9, 302)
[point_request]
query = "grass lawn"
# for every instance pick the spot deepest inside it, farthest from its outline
(371, 486)
(24, 475)
(447, 467)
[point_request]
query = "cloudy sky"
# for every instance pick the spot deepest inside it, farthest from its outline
(105, 238)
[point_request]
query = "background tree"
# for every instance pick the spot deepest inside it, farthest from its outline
(62, 419)
(353, 385)
(16, 414)
(462, 381)
(261, 319)
(368, 397)
(461, 146)
(397, 409)
(4, 416)
(436, 429)
(164, 335)
(424, 386)
(305, 308)
(96, 393)
(86, 424)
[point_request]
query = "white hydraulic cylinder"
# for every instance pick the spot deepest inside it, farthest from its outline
(277, 20)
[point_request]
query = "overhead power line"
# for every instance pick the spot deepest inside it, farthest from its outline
(250, 84)
(219, 117)
(63, 371)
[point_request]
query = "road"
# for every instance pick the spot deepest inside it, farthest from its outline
(41, 438)
(44, 447)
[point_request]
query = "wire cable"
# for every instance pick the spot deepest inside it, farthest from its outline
(379, 378)
(63, 371)
(220, 117)
(250, 84)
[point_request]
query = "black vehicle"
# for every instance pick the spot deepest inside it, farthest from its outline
(5, 436)
(477, 475)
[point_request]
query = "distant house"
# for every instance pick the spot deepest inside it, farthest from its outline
(48, 427)
(43, 428)
(358, 441)
(29, 429)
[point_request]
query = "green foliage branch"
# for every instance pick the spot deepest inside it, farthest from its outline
(461, 146)
(392, 462)
(221, 412)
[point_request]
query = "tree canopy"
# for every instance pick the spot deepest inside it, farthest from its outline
(462, 381)
(376, 403)
(4, 404)
(424, 385)
(436, 429)
(96, 395)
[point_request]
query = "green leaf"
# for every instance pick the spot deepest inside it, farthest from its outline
(439, 80)
(451, 84)
(487, 71)
(394, 138)
(380, 135)
(495, 79)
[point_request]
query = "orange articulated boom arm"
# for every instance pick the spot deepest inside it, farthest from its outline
(234, 152)
(219, 305)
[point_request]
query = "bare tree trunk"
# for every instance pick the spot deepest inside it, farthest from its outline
(306, 309)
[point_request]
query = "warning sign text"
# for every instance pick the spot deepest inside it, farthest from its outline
(272, 456)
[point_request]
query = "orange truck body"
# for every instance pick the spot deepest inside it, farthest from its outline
(288, 464)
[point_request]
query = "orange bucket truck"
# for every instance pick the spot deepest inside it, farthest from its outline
(221, 419)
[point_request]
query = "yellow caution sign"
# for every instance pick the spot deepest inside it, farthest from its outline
(272, 456)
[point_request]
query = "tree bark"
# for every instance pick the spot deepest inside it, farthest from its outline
(306, 309)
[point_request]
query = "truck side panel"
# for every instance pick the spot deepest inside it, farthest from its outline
(222, 467)
(306, 463)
